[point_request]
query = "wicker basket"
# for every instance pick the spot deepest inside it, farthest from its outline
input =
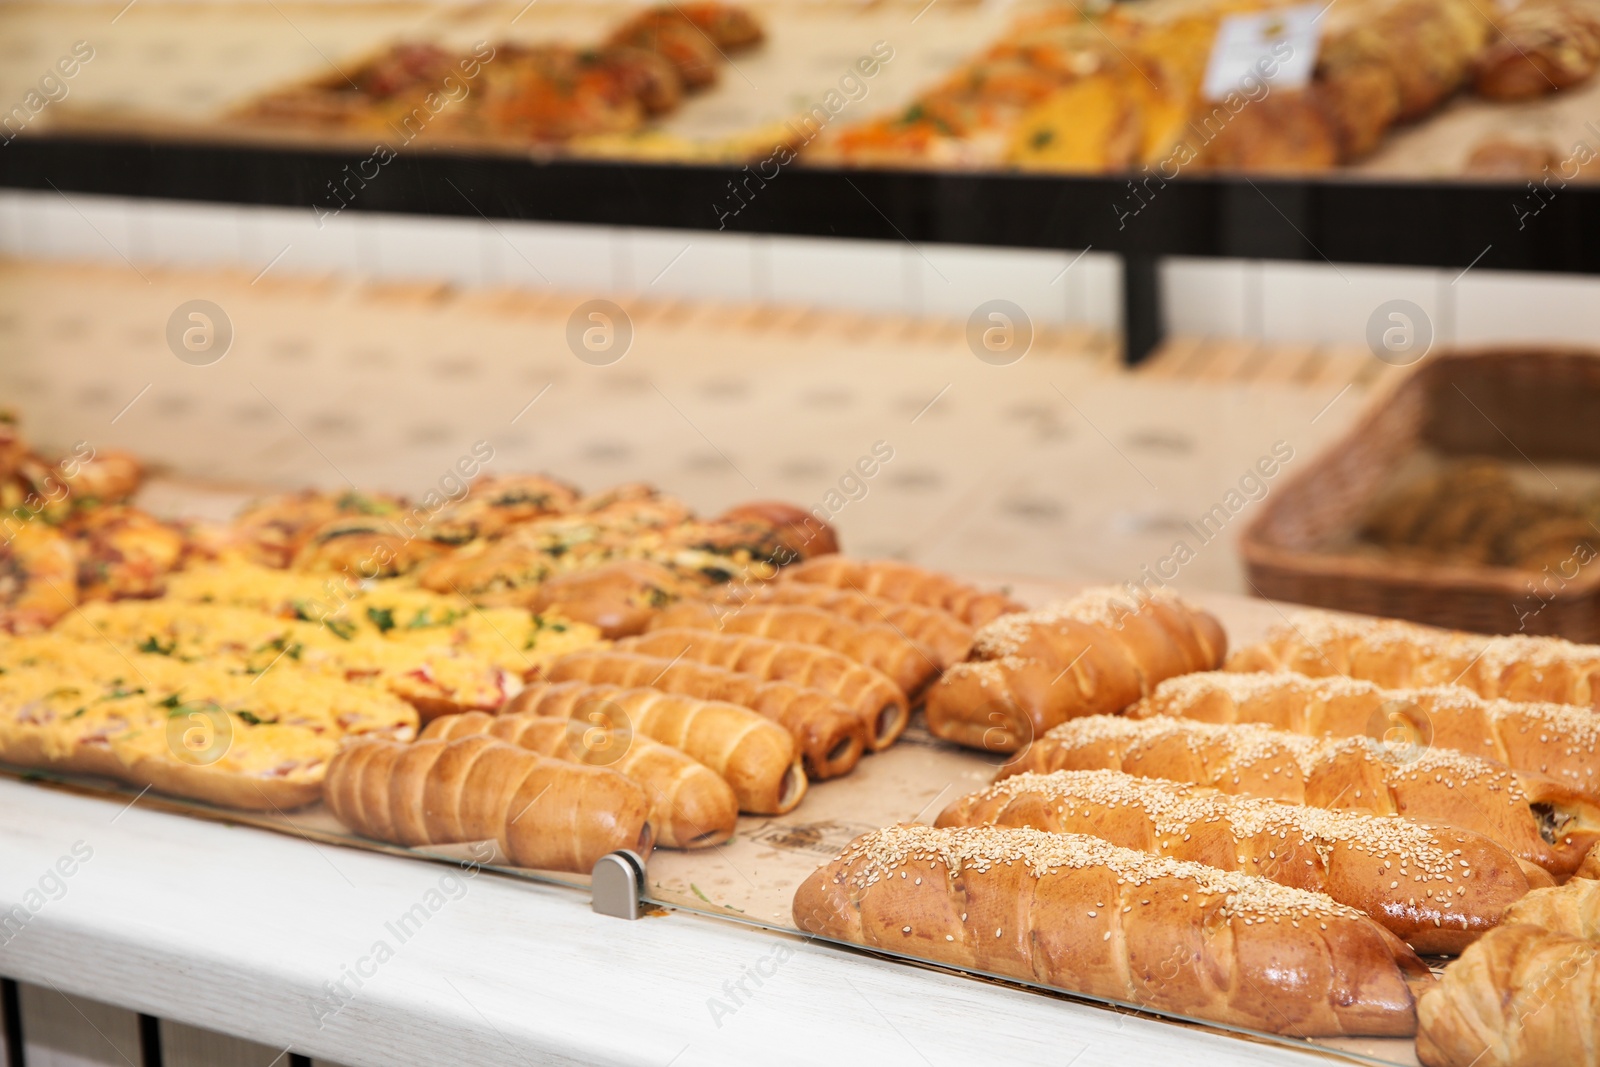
(1524, 406)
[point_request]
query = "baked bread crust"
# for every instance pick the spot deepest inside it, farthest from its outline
(1533, 818)
(1401, 655)
(831, 737)
(1521, 997)
(909, 664)
(690, 805)
(903, 582)
(756, 757)
(873, 696)
(1557, 740)
(543, 813)
(1094, 654)
(1400, 873)
(1080, 914)
(936, 630)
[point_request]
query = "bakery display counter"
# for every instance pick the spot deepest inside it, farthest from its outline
(501, 973)
(384, 958)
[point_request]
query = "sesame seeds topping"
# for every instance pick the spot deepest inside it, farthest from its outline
(1104, 606)
(1228, 750)
(1172, 807)
(876, 856)
(1244, 687)
(1325, 643)
(1574, 731)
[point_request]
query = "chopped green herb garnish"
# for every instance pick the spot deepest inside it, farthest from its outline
(153, 645)
(382, 618)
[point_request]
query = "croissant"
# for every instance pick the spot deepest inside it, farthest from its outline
(1590, 867)
(1356, 859)
(905, 583)
(1521, 996)
(831, 737)
(1557, 740)
(908, 664)
(543, 813)
(1083, 915)
(880, 704)
(1572, 909)
(1094, 654)
(1403, 654)
(1533, 818)
(690, 806)
(754, 756)
(939, 632)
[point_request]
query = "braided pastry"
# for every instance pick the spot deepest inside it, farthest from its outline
(1403, 654)
(875, 645)
(1083, 915)
(754, 756)
(690, 806)
(1365, 861)
(1094, 654)
(905, 583)
(1534, 819)
(543, 813)
(1557, 740)
(831, 737)
(881, 705)
(939, 632)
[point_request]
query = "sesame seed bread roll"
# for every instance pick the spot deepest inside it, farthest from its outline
(1557, 740)
(1404, 654)
(831, 737)
(1572, 909)
(543, 813)
(1091, 655)
(690, 805)
(756, 757)
(908, 664)
(903, 582)
(1083, 915)
(941, 633)
(1521, 997)
(1533, 818)
(1437, 889)
(881, 705)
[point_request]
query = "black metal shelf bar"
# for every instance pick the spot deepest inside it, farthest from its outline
(1489, 226)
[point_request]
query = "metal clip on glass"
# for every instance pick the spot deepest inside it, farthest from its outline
(617, 884)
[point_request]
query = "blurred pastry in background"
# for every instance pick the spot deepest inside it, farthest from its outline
(1507, 157)
(1539, 47)
(1472, 512)
(620, 598)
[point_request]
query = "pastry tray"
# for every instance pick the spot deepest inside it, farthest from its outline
(148, 77)
(752, 878)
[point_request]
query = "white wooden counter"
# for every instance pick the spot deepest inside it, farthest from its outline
(237, 930)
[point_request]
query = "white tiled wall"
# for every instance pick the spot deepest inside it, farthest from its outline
(1309, 302)
(884, 277)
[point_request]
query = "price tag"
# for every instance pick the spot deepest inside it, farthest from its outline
(1276, 47)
